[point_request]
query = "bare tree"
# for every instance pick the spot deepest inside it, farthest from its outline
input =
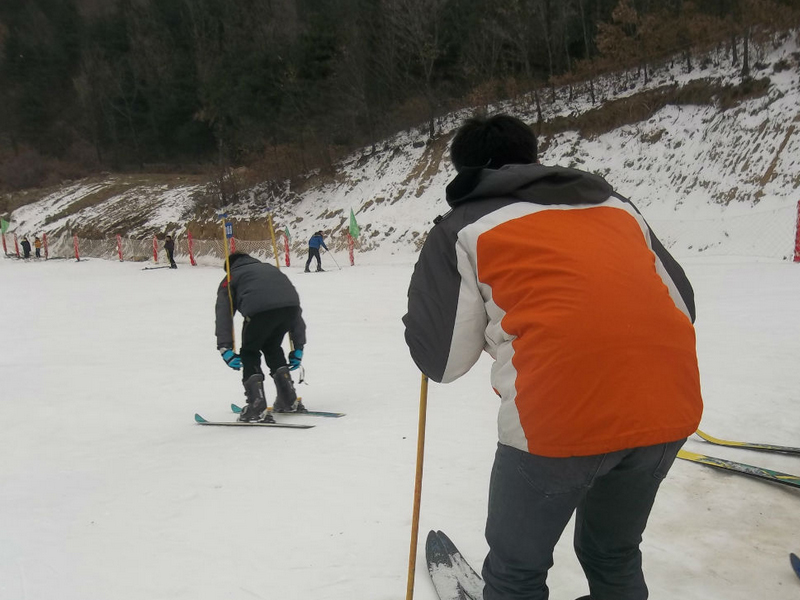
(418, 26)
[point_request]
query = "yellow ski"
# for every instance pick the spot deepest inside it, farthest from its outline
(748, 445)
(741, 468)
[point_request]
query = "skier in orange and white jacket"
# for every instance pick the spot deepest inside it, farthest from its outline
(590, 323)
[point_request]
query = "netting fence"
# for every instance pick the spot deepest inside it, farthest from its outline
(772, 233)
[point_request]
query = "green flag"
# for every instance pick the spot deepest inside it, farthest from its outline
(288, 237)
(354, 230)
(3, 225)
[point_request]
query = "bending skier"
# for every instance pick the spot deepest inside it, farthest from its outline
(270, 306)
(590, 323)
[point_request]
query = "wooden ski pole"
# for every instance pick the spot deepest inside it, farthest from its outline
(412, 557)
(224, 218)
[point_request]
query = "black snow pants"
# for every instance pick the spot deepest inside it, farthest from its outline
(263, 333)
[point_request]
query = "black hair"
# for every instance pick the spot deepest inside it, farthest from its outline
(491, 142)
(232, 258)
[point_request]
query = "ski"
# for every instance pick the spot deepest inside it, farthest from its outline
(309, 413)
(201, 421)
(452, 576)
(469, 579)
(154, 268)
(748, 445)
(795, 563)
(741, 468)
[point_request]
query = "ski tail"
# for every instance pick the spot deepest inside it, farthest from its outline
(748, 445)
(741, 468)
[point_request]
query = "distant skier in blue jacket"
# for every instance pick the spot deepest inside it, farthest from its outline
(313, 250)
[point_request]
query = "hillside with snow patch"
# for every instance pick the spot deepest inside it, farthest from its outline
(698, 172)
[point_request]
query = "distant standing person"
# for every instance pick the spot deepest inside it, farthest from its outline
(26, 248)
(37, 244)
(270, 306)
(313, 250)
(169, 246)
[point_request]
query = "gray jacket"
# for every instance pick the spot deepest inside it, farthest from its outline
(256, 287)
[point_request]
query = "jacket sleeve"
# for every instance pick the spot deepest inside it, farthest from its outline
(224, 319)
(670, 271)
(298, 331)
(446, 319)
(676, 274)
(321, 241)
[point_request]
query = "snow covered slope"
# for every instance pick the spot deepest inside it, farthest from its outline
(693, 170)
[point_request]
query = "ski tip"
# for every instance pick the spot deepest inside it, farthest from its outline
(199, 419)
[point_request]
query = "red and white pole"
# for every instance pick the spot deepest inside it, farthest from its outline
(16, 245)
(119, 247)
(191, 250)
(286, 250)
(46, 247)
(75, 245)
(350, 246)
(233, 245)
(797, 235)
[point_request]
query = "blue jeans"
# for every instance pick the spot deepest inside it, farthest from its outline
(532, 498)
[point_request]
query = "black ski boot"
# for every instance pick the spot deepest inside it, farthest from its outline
(256, 407)
(286, 401)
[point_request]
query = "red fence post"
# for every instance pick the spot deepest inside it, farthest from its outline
(16, 245)
(350, 245)
(46, 247)
(75, 245)
(233, 245)
(191, 250)
(286, 250)
(119, 247)
(155, 249)
(797, 235)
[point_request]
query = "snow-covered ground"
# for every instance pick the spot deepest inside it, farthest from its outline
(109, 491)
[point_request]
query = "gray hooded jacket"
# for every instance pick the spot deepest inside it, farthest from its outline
(256, 287)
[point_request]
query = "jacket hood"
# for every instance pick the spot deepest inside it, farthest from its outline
(237, 260)
(531, 183)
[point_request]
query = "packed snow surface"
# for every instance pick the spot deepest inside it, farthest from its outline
(110, 491)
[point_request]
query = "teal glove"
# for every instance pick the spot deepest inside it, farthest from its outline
(231, 359)
(295, 358)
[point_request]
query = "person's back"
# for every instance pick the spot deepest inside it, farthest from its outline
(316, 241)
(569, 273)
(259, 286)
